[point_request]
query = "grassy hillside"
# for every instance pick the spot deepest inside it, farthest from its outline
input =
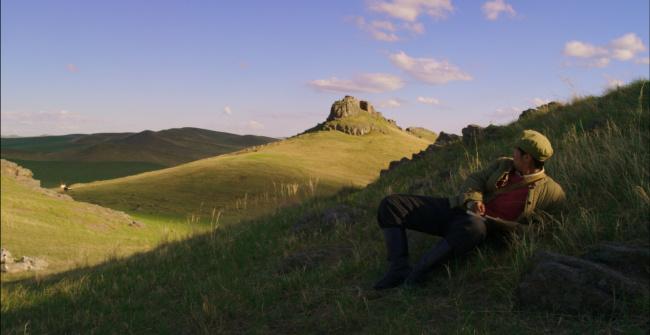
(66, 233)
(423, 133)
(83, 158)
(250, 182)
(262, 277)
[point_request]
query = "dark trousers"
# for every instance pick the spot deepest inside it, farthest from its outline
(432, 216)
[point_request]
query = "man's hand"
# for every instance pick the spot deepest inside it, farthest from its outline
(477, 207)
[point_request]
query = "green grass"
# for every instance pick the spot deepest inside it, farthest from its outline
(227, 280)
(253, 182)
(69, 234)
(53, 173)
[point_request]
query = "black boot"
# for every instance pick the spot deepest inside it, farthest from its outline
(437, 254)
(397, 247)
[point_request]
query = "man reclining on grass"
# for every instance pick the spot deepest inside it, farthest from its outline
(495, 199)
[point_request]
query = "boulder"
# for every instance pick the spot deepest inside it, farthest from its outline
(598, 282)
(472, 133)
(445, 139)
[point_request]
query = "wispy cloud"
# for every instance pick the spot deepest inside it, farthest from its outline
(72, 68)
(368, 83)
(428, 101)
(539, 101)
(614, 83)
(428, 70)
(409, 10)
(492, 9)
(623, 48)
(227, 110)
(505, 113)
(379, 30)
(254, 125)
(41, 122)
(390, 103)
(643, 60)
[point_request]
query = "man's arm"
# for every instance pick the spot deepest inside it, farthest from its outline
(473, 187)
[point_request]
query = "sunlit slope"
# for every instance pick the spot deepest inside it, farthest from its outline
(313, 163)
(66, 233)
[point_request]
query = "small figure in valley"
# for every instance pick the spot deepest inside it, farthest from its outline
(497, 200)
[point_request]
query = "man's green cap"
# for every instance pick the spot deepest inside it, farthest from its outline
(536, 144)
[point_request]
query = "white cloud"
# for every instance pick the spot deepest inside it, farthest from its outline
(643, 60)
(583, 50)
(623, 48)
(539, 101)
(428, 70)
(369, 83)
(626, 46)
(614, 83)
(409, 10)
(428, 101)
(505, 113)
(391, 103)
(254, 125)
(492, 9)
(227, 110)
(379, 30)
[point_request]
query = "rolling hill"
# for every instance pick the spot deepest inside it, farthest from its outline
(83, 158)
(45, 224)
(265, 276)
(349, 149)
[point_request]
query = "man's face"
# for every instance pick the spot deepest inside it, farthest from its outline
(518, 159)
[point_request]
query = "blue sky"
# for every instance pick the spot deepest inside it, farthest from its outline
(275, 67)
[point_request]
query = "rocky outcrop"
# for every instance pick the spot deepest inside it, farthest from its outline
(10, 265)
(598, 282)
(445, 139)
(539, 110)
(474, 133)
(22, 175)
(350, 106)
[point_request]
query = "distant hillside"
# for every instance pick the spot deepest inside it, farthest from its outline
(166, 147)
(79, 158)
(65, 233)
(349, 149)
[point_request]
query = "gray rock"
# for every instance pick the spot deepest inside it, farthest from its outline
(590, 284)
(10, 265)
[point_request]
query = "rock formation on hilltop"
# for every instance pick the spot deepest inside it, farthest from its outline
(355, 117)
